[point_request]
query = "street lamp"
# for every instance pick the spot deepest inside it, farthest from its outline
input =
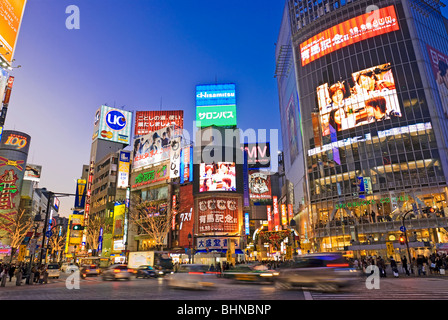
(189, 247)
(292, 225)
(51, 195)
(37, 221)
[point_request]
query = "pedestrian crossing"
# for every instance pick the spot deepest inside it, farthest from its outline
(390, 289)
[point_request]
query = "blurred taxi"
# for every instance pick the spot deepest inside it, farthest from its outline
(192, 276)
(90, 271)
(250, 273)
(320, 272)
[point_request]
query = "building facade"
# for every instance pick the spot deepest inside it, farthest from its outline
(369, 77)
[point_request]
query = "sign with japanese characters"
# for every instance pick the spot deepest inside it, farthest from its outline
(349, 32)
(149, 121)
(216, 105)
(152, 175)
(216, 214)
(216, 243)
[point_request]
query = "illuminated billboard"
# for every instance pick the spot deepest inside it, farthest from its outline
(216, 214)
(32, 172)
(124, 163)
(439, 64)
(4, 76)
(112, 124)
(258, 155)
(372, 97)
(259, 185)
(150, 121)
(11, 13)
(217, 177)
(154, 147)
(349, 32)
(216, 105)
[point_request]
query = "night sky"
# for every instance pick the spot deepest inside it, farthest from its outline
(135, 55)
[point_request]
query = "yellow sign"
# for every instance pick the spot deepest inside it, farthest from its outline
(390, 248)
(22, 253)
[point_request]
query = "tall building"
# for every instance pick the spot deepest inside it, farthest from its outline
(372, 104)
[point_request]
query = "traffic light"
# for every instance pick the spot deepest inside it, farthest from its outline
(78, 227)
(402, 239)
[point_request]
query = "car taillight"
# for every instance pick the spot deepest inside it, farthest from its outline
(338, 265)
(116, 270)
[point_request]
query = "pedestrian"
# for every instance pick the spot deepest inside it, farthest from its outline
(381, 267)
(404, 261)
(11, 271)
(393, 265)
(420, 264)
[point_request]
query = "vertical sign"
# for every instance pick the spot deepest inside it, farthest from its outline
(284, 214)
(124, 163)
(290, 212)
(174, 212)
(175, 158)
(276, 212)
(269, 213)
(246, 222)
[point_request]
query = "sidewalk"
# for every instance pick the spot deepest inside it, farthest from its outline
(402, 273)
(13, 282)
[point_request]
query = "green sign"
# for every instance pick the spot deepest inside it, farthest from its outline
(153, 175)
(368, 202)
(221, 116)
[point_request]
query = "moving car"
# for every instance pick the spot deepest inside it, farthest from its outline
(53, 270)
(192, 276)
(90, 271)
(250, 273)
(67, 265)
(321, 272)
(146, 271)
(117, 272)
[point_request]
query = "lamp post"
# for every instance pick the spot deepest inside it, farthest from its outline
(406, 235)
(37, 220)
(51, 195)
(292, 225)
(189, 247)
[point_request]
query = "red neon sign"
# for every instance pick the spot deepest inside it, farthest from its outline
(349, 32)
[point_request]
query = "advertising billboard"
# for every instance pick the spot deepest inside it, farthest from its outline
(439, 64)
(11, 13)
(32, 172)
(4, 76)
(154, 147)
(218, 214)
(112, 124)
(150, 121)
(124, 163)
(217, 177)
(14, 147)
(119, 216)
(349, 32)
(216, 105)
(372, 97)
(150, 176)
(259, 185)
(258, 155)
(81, 191)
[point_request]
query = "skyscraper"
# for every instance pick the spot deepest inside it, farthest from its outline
(372, 99)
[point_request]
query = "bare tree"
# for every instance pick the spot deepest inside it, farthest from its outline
(145, 218)
(15, 226)
(57, 243)
(93, 229)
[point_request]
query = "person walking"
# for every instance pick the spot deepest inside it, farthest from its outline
(420, 265)
(393, 265)
(404, 261)
(11, 272)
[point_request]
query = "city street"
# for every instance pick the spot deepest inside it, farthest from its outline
(402, 288)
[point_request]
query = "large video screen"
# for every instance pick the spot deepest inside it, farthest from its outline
(217, 177)
(349, 32)
(370, 96)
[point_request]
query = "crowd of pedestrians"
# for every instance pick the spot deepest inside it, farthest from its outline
(21, 272)
(434, 264)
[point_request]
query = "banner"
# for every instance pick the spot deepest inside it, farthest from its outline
(439, 64)
(175, 158)
(150, 121)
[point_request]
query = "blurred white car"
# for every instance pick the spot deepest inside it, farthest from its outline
(117, 272)
(192, 276)
(66, 265)
(53, 270)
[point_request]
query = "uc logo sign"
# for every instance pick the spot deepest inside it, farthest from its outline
(115, 120)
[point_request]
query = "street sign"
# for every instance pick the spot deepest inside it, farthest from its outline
(403, 229)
